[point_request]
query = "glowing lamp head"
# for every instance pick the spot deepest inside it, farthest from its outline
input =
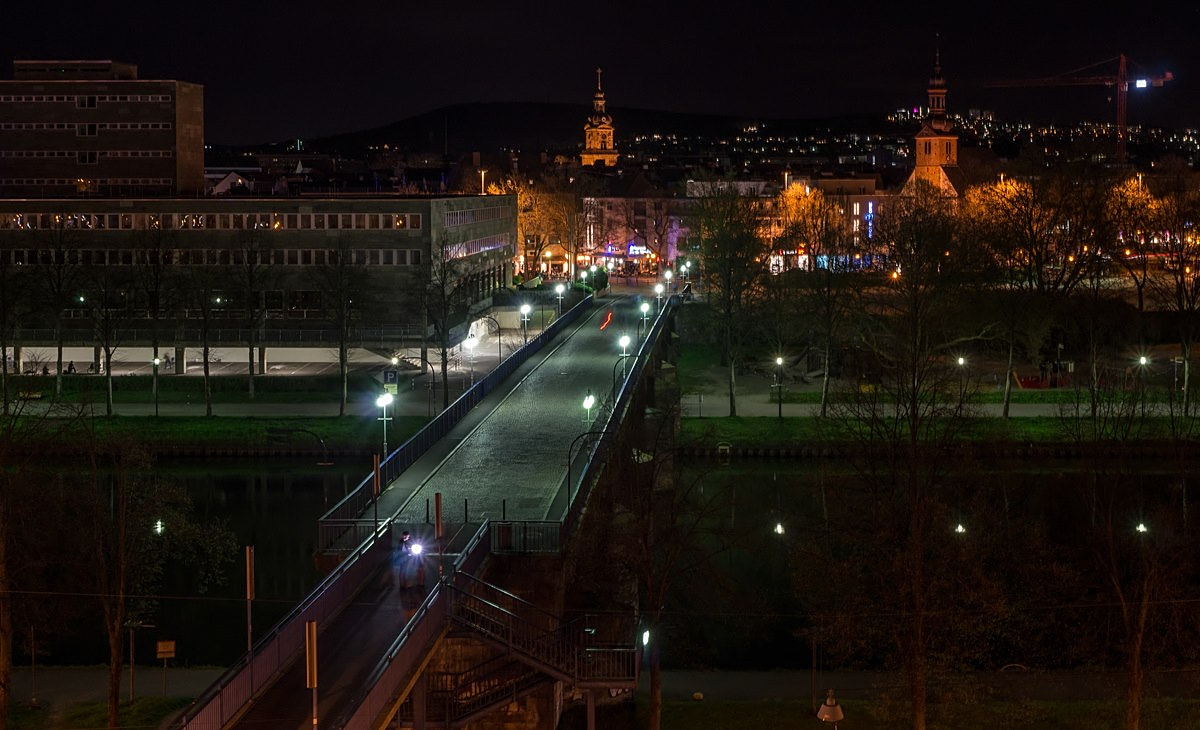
(658, 288)
(525, 308)
(384, 400)
(589, 402)
(645, 307)
(559, 289)
(624, 341)
(416, 548)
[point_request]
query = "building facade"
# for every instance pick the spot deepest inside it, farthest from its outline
(936, 151)
(76, 128)
(391, 250)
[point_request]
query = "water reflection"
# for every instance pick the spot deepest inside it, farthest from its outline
(272, 504)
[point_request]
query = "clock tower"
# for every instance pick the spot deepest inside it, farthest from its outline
(598, 147)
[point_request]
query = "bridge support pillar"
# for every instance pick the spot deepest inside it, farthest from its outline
(180, 360)
(96, 360)
(418, 703)
(262, 361)
(591, 709)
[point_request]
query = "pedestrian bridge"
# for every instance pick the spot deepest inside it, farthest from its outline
(506, 472)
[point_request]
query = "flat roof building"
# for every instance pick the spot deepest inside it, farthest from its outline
(77, 128)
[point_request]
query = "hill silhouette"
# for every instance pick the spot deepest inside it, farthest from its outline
(537, 127)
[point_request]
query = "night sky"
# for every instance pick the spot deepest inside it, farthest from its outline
(276, 70)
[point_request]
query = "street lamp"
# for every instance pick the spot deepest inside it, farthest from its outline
(624, 343)
(658, 294)
(559, 289)
(156, 362)
(383, 402)
(830, 710)
(525, 309)
(779, 382)
(589, 402)
(645, 315)
(667, 275)
(470, 344)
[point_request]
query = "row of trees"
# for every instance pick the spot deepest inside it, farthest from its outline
(161, 287)
(1012, 269)
(1026, 259)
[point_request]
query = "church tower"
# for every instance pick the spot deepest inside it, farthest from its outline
(598, 146)
(936, 143)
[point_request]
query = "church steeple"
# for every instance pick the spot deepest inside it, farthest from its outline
(937, 92)
(936, 144)
(598, 146)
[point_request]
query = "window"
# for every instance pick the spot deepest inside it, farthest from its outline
(373, 221)
(87, 157)
(85, 102)
(305, 221)
(85, 130)
(293, 257)
(388, 257)
(401, 221)
(319, 221)
(414, 257)
(414, 221)
(306, 257)
(360, 221)
(332, 221)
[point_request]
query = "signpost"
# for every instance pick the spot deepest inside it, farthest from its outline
(166, 650)
(391, 380)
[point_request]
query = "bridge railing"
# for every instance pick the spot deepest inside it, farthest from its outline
(332, 528)
(581, 469)
(276, 650)
(411, 644)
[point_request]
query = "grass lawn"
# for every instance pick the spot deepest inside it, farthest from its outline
(787, 715)
(145, 712)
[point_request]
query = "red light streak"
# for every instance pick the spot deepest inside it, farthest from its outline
(607, 320)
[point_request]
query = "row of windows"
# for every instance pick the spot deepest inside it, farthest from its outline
(213, 257)
(215, 221)
(103, 126)
(478, 245)
(83, 155)
(74, 182)
(475, 215)
(86, 101)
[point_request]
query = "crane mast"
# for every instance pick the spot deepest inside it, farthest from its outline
(1119, 80)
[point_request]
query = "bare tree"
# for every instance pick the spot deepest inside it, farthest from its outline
(345, 286)
(252, 274)
(154, 270)
(58, 276)
(107, 304)
(920, 405)
(734, 252)
(13, 293)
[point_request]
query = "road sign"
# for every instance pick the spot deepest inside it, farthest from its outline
(391, 380)
(166, 650)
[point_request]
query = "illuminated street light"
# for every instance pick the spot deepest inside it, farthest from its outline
(383, 402)
(589, 402)
(156, 363)
(830, 710)
(624, 343)
(658, 294)
(667, 275)
(525, 308)
(779, 383)
(559, 289)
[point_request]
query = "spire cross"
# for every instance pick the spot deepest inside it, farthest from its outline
(598, 72)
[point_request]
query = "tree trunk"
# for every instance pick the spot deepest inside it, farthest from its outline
(343, 370)
(207, 383)
(445, 376)
(825, 377)
(114, 669)
(250, 367)
(108, 381)
(6, 627)
(1008, 378)
(58, 339)
(4, 373)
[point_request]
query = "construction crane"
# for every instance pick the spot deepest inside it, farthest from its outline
(1120, 80)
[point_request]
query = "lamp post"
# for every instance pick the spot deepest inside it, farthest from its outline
(667, 275)
(779, 383)
(470, 344)
(830, 710)
(589, 402)
(383, 402)
(525, 309)
(156, 362)
(482, 187)
(658, 294)
(571, 449)
(645, 315)
(623, 358)
(624, 343)
(559, 289)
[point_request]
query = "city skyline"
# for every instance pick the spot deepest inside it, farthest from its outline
(315, 70)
